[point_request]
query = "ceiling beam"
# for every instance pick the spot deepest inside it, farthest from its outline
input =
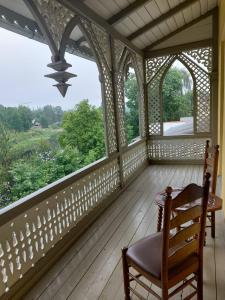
(78, 7)
(123, 13)
(160, 19)
(193, 22)
(178, 48)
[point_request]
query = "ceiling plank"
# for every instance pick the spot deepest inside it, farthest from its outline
(160, 19)
(123, 13)
(193, 22)
(78, 7)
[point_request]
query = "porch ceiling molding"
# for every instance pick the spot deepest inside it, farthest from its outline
(161, 18)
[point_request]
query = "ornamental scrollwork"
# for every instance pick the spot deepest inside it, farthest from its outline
(153, 65)
(202, 56)
(56, 16)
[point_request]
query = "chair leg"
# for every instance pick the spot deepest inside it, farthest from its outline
(213, 224)
(126, 281)
(165, 294)
(200, 285)
(160, 215)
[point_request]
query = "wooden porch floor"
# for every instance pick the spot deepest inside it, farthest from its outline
(92, 268)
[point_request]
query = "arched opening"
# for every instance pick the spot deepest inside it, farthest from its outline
(131, 103)
(44, 136)
(177, 101)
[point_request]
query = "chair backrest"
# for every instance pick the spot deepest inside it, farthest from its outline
(211, 164)
(179, 245)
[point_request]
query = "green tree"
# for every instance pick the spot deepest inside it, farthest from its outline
(176, 104)
(131, 107)
(6, 158)
(84, 130)
(29, 175)
(25, 116)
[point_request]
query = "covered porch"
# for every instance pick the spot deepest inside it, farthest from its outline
(64, 241)
(92, 268)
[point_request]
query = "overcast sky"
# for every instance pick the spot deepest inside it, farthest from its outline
(23, 66)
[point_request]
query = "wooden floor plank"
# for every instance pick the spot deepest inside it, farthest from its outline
(96, 275)
(92, 268)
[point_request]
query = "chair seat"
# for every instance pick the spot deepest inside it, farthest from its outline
(147, 255)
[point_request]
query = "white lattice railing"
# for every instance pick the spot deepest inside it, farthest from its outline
(32, 226)
(48, 216)
(133, 159)
(177, 149)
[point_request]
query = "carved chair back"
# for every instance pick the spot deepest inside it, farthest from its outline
(180, 245)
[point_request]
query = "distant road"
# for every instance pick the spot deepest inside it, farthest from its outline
(180, 129)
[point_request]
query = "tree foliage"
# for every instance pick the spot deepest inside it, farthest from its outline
(30, 160)
(20, 118)
(84, 130)
(131, 107)
(177, 95)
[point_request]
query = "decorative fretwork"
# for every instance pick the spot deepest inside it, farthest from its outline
(118, 51)
(106, 79)
(133, 159)
(140, 67)
(177, 149)
(121, 106)
(103, 41)
(154, 103)
(140, 74)
(153, 65)
(199, 62)
(56, 17)
(202, 56)
(29, 236)
(202, 101)
(127, 57)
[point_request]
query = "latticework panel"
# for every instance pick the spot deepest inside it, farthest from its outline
(133, 159)
(154, 103)
(202, 56)
(103, 41)
(140, 73)
(118, 52)
(28, 237)
(203, 96)
(119, 80)
(121, 58)
(98, 47)
(177, 149)
(153, 65)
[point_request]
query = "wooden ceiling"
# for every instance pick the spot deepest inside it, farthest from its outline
(142, 24)
(148, 23)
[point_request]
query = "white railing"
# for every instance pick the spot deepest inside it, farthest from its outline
(31, 227)
(179, 149)
(134, 159)
(28, 236)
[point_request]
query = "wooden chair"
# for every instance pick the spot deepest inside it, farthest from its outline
(215, 202)
(168, 257)
(211, 166)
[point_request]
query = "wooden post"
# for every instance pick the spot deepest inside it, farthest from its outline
(119, 148)
(214, 79)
